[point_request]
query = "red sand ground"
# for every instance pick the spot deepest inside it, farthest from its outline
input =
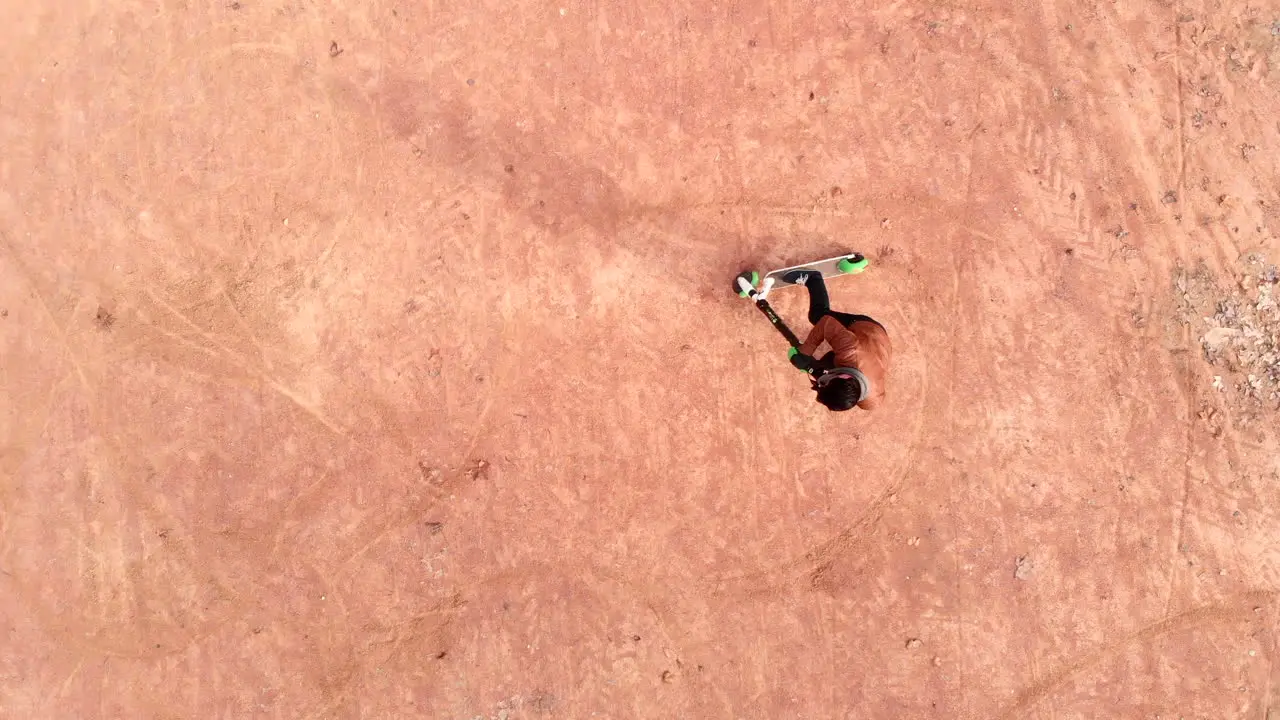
(378, 361)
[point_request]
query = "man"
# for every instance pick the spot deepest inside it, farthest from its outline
(853, 373)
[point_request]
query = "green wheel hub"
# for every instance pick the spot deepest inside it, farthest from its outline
(852, 265)
(751, 276)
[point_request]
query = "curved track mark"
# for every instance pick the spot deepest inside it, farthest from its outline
(1239, 609)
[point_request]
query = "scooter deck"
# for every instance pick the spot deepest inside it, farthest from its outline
(829, 268)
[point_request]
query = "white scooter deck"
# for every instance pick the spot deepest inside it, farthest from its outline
(849, 264)
(829, 268)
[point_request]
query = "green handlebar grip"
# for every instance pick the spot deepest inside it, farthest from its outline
(792, 352)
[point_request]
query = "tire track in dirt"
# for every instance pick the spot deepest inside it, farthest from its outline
(429, 626)
(1088, 240)
(963, 257)
(112, 583)
(1236, 609)
(1143, 174)
(126, 482)
(435, 632)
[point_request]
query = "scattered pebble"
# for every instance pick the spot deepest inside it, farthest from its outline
(913, 643)
(433, 475)
(479, 470)
(1240, 327)
(1022, 567)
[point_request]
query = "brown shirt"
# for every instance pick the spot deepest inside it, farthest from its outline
(863, 345)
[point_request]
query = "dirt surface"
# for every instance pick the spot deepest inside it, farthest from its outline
(378, 361)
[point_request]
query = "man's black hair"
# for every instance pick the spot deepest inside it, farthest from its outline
(840, 394)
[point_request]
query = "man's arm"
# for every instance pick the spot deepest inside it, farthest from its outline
(819, 334)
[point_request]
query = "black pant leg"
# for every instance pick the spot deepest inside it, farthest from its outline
(819, 302)
(846, 319)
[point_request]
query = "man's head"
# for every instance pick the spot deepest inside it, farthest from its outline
(840, 389)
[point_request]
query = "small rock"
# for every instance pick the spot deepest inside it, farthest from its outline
(914, 643)
(478, 471)
(1219, 336)
(1169, 198)
(937, 661)
(1022, 567)
(433, 475)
